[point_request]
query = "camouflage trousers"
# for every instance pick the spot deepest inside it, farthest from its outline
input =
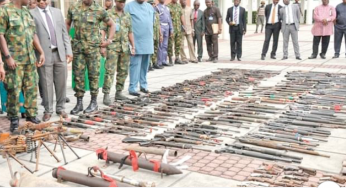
(91, 61)
(23, 78)
(154, 56)
(119, 62)
(177, 40)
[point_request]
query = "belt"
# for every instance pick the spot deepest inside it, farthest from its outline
(290, 24)
(164, 23)
(55, 50)
(235, 25)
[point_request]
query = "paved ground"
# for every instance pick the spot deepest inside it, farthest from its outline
(205, 169)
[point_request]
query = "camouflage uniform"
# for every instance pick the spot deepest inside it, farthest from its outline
(118, 53)
(176, 12)
(18, 28)
(86, 44)
(156, 38)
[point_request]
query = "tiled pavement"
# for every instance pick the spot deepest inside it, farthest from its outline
(224, 166)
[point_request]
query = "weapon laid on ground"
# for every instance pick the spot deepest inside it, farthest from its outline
(141, 163)
(88, 180)
(150, 150)
(25, 179)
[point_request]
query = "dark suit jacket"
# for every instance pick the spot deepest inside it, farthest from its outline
(268, 10)
(200, 23)
(242, 19)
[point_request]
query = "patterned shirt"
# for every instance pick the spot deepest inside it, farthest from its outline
(18, 28)
(123, 26)
(157, 26)
(87, 22)
(176, 12)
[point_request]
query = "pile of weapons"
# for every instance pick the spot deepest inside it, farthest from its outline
(31, 137)
(287, 176)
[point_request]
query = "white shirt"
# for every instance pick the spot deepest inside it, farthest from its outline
(45, 20)
(236, 21)
(276, 14)
(289, 19)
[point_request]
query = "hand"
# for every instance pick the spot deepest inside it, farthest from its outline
(193, 34)
(244, 32)
(325, 22)
(103, 52)
(171, 35)
(41, 61)
(202, 34)
(161, 39)
(10, 63)
(231, 23)
(133, 51)
(69, 58)
(104, 44)
(220, 31)
(2, 73)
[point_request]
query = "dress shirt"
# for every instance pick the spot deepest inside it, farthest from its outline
(43, 14)
(289, 19)
(276, 14)
(236, 21)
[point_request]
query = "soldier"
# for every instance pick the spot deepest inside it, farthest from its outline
(87, 17)
(178, 22)
(118, 53)
(2, 70)
(18, 41)
(166, 27)
(157, 38)
(108, 4)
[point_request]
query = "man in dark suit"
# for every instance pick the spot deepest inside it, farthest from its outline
(237, 28)
(55, 42)
(273, 26)
(199, 23)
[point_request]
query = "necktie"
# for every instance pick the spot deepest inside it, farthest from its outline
(195, 18)
(235, 16)
(51, 29)
(273, 14)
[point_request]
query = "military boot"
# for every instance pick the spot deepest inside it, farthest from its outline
(14, 124)
(106, 100)
(178, 61)
(120, 96)
(170, 60)
(79, 106)
(92, 106)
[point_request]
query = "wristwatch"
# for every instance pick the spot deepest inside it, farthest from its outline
(7, 56)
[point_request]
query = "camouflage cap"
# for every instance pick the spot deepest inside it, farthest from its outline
(151, 1)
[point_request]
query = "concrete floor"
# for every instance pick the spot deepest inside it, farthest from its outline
(252, 45)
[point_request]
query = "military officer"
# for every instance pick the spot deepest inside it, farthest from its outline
(178, 22)
(118, 53)
(18, 40)
(87, 16)
(157, 38)
(166, 27)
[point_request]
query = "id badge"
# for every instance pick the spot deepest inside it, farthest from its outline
(211, 18)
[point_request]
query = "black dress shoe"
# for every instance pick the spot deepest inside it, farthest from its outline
(239, 59)
(33, 120)
(323, 56)
(284, 58)
(14, 124)
(298, 58)
(67, 100)
(210, 59)
(232, 58)
(272, 57)
(335, 56)
(144, 90)
(156, 66)
(312, 57)
(199, 59)
(215, 60)
(178, 61)
(263, 57)
(135, 94)
(167, 65)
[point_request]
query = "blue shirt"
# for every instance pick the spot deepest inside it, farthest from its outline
(142, 26)
(165, 15)
(341, 16)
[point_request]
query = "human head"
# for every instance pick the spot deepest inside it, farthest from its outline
(236, 2)
(174, 1)
(297, 1)
(108, 4)
(263, 3)
(162, 1)
(87, 2)
(42, 4)
(196, 4)
(275, 2)
(208, 3)
(286, 2)
(344, 1)
(325, 2)
(2, 2)
(183, 3)
(120, 4)
(32, 4)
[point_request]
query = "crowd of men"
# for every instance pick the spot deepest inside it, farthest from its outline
(134, 38)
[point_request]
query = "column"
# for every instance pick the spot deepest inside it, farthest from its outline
(225, 4)
(309, 12)
(249, 12)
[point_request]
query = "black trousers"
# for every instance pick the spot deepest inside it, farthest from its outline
(212, 45)
(338, 35)
(199, 39)
(236, 41)
(271, 30)
(316, 43)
